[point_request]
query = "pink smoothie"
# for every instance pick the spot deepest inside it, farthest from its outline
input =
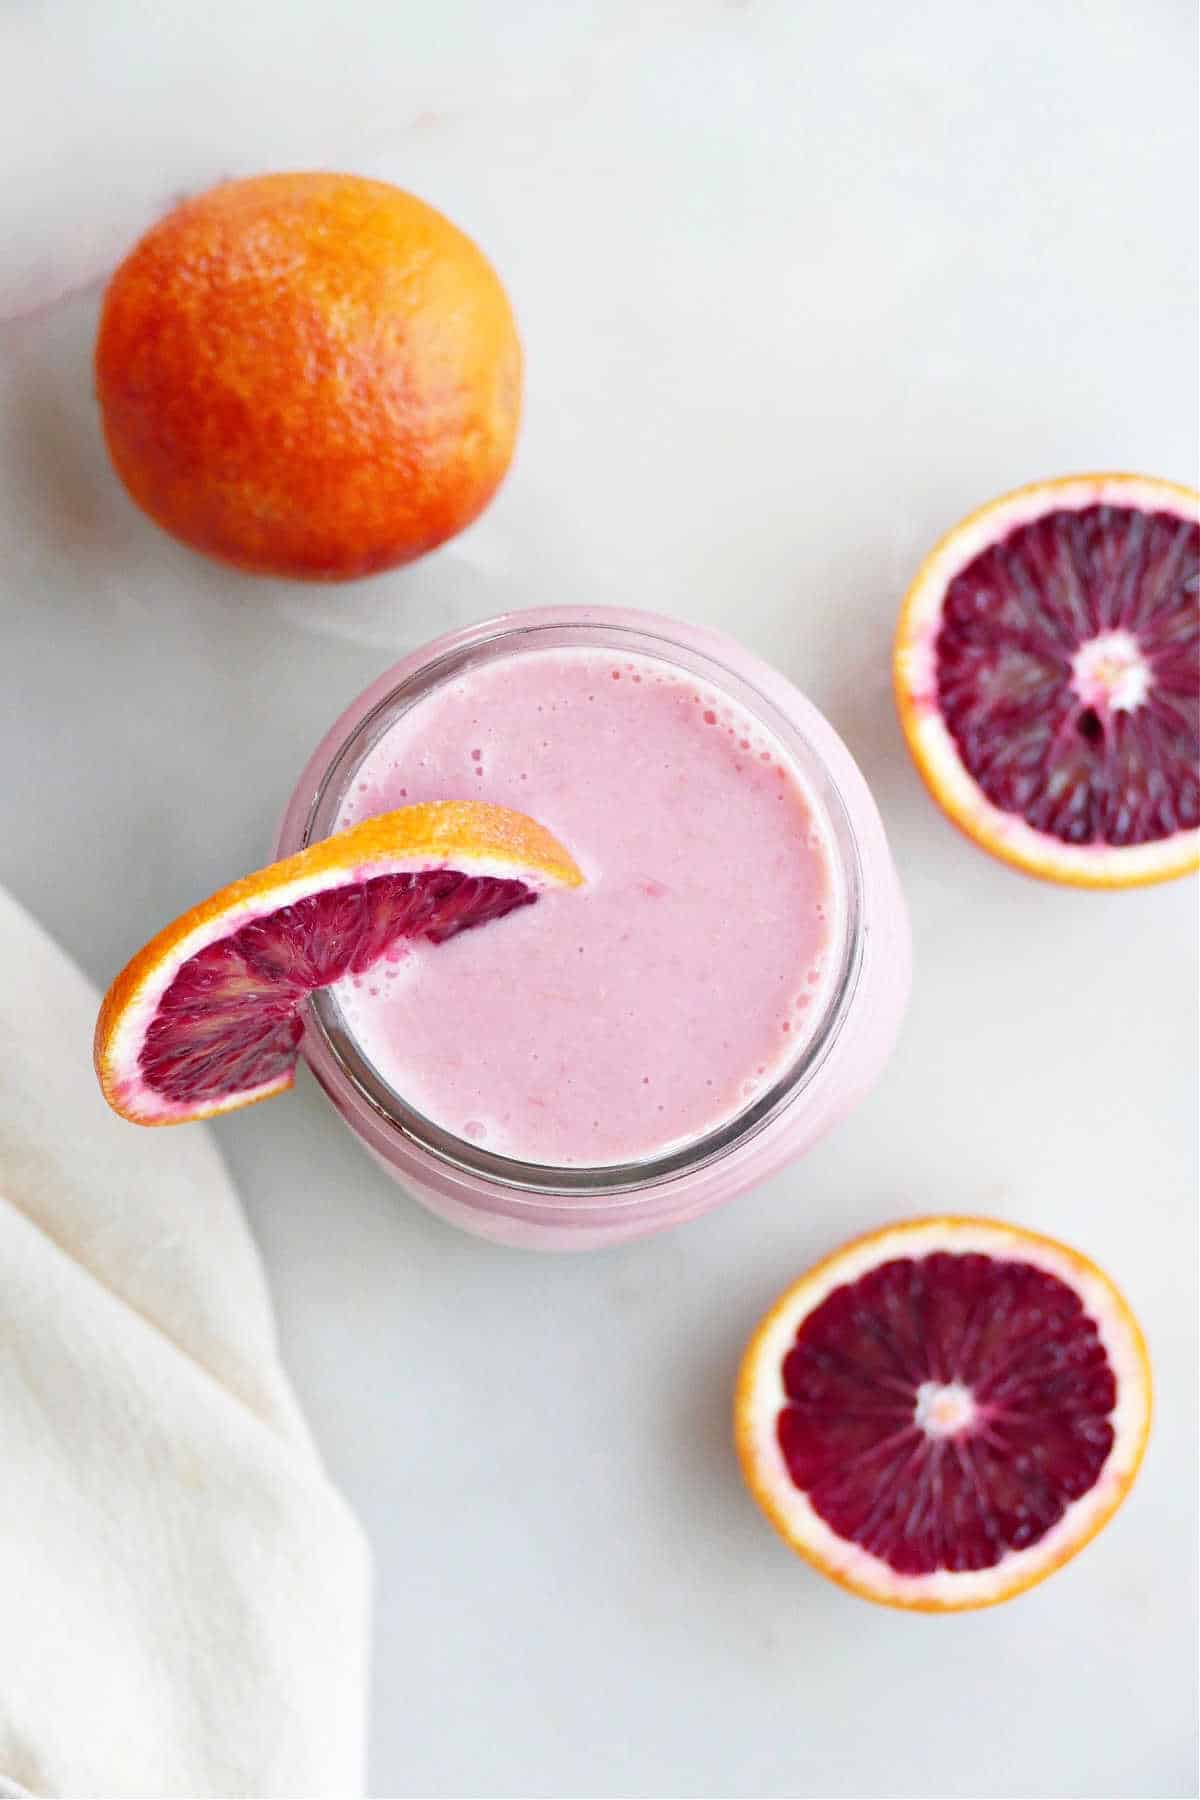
(613, 1023)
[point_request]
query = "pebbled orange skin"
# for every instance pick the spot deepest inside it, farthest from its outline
(308, 375)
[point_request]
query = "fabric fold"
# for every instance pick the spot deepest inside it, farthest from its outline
(184, 1594)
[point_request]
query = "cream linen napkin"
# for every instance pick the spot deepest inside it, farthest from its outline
(183, 1596)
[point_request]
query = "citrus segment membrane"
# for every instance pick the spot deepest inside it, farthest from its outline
(943, 1412)
(206, 1017)
(1068, 671)
(229, 1020)
(1047, 670)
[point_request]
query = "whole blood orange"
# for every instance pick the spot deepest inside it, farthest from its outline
(309, 375)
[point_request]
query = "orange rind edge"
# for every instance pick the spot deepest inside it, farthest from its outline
(437, 833)
(973, 820)
(749, 1370)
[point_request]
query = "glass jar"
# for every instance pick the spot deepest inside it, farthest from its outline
(581, 1208)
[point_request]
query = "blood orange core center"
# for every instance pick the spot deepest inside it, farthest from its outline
(944, 1408)
(942, 1412)
(230, 1019)
(1068, 674)
(1110, 672)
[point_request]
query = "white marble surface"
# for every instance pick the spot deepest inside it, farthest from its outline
(799, 284)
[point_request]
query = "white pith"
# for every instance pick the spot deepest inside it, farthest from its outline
(943, 1408)
(916, 663)
(1110, 673)
(848, 1561)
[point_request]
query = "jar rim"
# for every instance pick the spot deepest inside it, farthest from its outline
(329, 1041)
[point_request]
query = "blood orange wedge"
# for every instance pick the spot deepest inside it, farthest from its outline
(1047, 672)
(206, 1018)
(940, 1414)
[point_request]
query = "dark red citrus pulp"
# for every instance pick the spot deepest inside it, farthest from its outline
(230, 1018)
(945, 1410)
(1068, 674)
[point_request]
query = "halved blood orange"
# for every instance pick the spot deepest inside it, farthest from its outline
(206, 1017)
(1047, 671)
(943, 1412)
